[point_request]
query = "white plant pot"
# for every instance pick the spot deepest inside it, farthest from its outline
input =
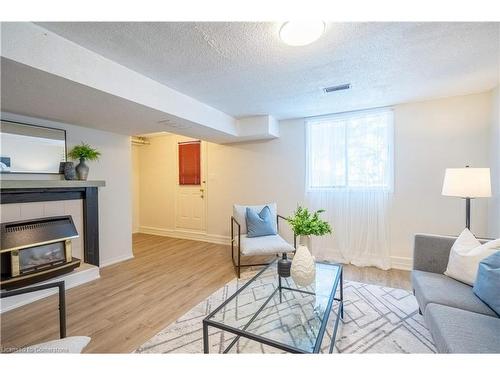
(303, 269)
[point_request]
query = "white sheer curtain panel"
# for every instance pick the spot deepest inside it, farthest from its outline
(350, 175)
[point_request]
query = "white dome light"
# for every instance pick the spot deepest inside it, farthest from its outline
(300, 33)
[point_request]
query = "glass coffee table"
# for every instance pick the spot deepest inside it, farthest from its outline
(274, 311)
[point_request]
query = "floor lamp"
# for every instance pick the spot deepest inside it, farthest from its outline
(467, 183)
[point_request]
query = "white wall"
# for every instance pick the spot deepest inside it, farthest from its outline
(157, 182)
(254, 173)
(429, 137)
(494, 207)
(136, 188)
(115, 199)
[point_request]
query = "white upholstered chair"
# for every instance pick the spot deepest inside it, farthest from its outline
(264, 245)
(68, 345)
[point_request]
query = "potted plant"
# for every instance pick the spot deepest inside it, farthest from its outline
(83, 152)
(306, 224)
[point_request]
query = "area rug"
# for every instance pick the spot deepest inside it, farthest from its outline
(377, 319)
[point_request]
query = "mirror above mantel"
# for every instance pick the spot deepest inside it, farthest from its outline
(27, 148)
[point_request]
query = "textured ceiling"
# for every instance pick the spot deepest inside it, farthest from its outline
(244, 69)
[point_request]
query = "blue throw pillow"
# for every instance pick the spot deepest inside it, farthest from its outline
(259, 223)
(487, 285)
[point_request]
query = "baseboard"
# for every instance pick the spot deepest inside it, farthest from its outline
(186, 235)
(119, 259)
(81, 275)
(402, 263)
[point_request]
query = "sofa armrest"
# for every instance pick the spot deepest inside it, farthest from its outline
(431, 252)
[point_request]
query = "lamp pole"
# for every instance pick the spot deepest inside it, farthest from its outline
(467, 213)
(467, 209)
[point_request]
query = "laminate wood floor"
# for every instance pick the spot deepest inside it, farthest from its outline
(135, 299)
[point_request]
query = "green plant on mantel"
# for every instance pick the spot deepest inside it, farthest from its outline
(305, 223)
(84, 151)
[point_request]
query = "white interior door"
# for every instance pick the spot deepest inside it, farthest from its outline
(191, 199)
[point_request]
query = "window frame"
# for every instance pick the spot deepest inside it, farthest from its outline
(309, 122)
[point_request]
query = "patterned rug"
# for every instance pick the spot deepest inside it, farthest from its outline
(376, 320)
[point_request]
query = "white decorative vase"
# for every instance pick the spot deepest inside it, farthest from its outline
(303, 269)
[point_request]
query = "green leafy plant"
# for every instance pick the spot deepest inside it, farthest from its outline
(84, 151)
(305, 223)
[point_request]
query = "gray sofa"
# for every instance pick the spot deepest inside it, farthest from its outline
(458, 320)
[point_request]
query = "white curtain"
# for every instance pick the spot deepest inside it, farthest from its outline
(360, 227)
(349, 175)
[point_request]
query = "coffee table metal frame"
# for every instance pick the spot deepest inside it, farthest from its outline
(207, 322)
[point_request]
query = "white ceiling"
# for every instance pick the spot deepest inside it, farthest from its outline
(244, 69)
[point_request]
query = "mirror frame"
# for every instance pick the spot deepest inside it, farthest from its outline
(43, 127)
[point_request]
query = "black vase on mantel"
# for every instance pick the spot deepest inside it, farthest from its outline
(68, 169)
(82, 170)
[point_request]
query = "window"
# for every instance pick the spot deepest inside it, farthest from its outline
(189, 163)
(350, 151)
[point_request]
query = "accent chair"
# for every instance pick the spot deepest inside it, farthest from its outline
(253, 246)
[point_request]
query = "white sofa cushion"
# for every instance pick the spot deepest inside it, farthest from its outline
(72, 344)
(465, 255)
(264, 245)
(240, 212)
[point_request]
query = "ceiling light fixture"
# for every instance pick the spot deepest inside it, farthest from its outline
(300, 33)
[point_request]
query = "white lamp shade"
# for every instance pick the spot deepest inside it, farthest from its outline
(467, 182)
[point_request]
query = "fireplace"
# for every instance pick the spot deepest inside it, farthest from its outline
(36, 250)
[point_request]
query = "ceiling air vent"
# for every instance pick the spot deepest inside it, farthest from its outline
(337, 88)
